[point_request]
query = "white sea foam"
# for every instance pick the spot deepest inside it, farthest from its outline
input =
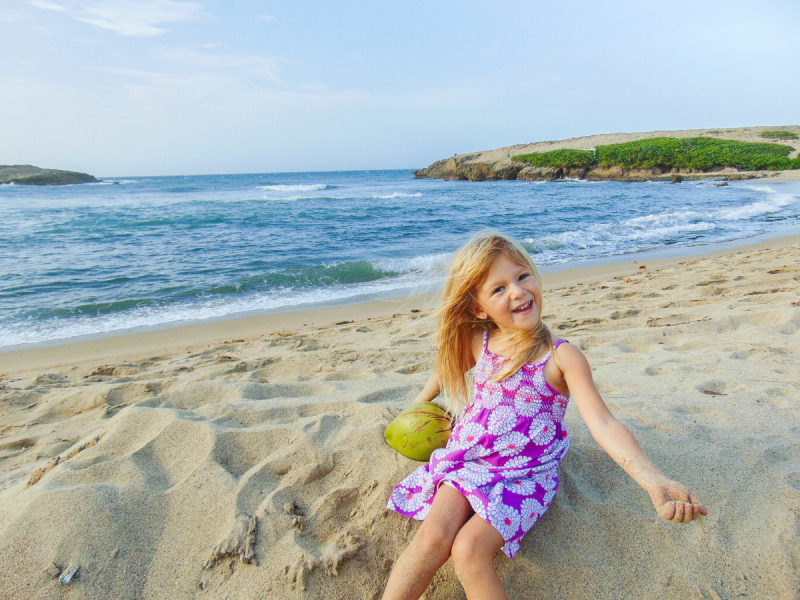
(774, 202)
(296, 188)
(399, 195)
(603, 239)
(286, 198)
(205, 308)
(429, 263)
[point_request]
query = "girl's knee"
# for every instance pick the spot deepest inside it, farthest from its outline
(470, 550)
(433, 540)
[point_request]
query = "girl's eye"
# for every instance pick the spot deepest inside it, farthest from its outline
(497, 290)
(523, 276)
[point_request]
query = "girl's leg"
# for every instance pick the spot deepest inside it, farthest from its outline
(430, 547)
(473, 554)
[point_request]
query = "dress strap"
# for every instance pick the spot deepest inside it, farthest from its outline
(485, 341)
(555, 356)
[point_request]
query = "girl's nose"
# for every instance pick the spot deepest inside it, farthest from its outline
(517, 290)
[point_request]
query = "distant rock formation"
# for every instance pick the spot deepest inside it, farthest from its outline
(30, 175)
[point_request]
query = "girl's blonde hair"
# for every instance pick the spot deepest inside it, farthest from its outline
(457, 325)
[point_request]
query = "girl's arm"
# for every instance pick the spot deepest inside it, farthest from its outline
(673, 501)
(430, 391)
(432, 388)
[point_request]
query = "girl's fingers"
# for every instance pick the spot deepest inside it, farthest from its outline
(688, 514)
(701, 508)
(676, 511)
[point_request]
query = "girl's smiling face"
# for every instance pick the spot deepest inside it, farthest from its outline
(510, 296)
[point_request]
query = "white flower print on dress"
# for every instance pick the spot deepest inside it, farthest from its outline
(558, 409)
(521, 486)
(511, 548)
(504, 518)
(527, 405)
(423, 478)
(539, 383)
(531, 510)
(512, 382)
(546, 480)
(438, 454)
(542, 431)
(477, 505)
(443, 466)
(465, 483)
(502, 420)
(473, 476)
(408, 500)
(470, 435)
(521, 474)
(510, 443)
(548, 497)
(476, 452)
(517, 462)
(423, 512)
(491, 398)
(480, 464)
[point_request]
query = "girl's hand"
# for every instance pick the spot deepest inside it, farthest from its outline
(676, 503)
(429, 392)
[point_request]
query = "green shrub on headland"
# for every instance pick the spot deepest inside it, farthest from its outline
(778, 134)
(558, 158)
(698, 153)
(695, 153)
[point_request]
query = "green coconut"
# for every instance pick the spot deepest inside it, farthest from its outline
(419, 430)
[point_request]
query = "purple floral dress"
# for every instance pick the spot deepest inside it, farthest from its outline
(503, 453)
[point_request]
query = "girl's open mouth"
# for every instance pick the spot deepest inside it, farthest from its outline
(523, 308)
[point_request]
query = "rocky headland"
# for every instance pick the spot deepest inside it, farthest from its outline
(505, 164)
(30, 175)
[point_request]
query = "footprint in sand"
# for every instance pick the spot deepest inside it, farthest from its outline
(414, 368)
(631, 312)
(269, 391)
(387, 395)
(655, 371)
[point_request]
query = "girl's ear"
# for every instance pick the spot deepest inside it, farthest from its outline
(477, 311)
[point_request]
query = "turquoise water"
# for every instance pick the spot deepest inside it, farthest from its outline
(94, 258)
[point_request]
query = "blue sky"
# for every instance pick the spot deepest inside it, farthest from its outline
(157, 87)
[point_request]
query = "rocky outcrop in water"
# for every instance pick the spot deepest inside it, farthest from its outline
(30, 175)
(467, 168)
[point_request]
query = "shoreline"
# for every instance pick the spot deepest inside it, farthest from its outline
(145, 341)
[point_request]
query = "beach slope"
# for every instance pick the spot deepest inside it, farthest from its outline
(255, 466)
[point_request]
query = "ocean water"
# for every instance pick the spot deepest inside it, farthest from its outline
(93, 258)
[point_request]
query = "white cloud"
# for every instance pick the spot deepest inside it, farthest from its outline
(47, 5)
(265, 18)
(200, 58)
(139, 18)
(143, 18)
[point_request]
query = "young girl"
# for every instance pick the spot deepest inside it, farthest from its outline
(499, 471)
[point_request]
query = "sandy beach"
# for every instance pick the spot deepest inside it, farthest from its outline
(246, 459)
